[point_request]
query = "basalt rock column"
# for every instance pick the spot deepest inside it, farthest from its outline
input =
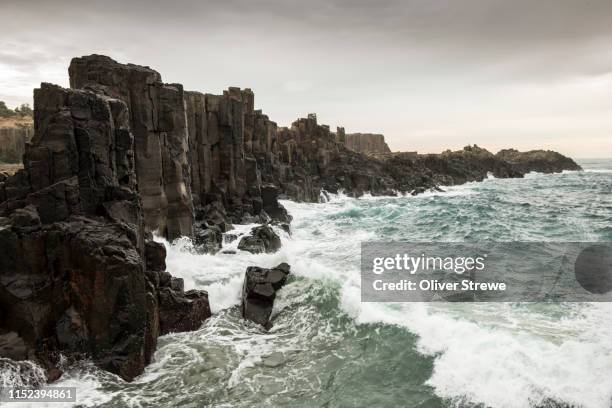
(78, 275)
(229, 142)
(158, 122)
(367, 143)
(199, 146)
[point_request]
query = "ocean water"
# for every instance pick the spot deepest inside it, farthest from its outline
(327, 349)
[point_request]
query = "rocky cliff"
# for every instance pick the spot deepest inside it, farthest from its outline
(123, 155)
(202, 160)
(367, 143)
(79, 275)
(157, 119)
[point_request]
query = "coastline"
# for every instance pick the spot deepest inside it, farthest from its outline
(123, 155)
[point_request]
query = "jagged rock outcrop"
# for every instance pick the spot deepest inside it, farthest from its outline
(192, 150)
(367, 143)
(79, 275)
(543, 161)
(259, 291)
(208, 239)
(261, 239)
(157, 119)
(204, 159)
(13, 139)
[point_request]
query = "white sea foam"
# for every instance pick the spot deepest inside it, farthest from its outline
(498, 355)
(598, 170)
(498, 367)
(86, 381)
(493, 354)
(20, 374)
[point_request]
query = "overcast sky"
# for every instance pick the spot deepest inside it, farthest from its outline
(429, 74)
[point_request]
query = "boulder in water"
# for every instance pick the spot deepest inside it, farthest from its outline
(208, 239)
(259, 291)
(262, 239)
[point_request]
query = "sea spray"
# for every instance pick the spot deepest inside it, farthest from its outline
(329, 348)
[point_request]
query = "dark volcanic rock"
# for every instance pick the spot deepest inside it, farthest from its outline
(155, 256)
(269, 196)
(208, 239)
(259, 291)
(261, 239)
(543, 161)
(214, 215)
(78, 275)
(157, 119)
(12, 346)
(367, 143)
(77, 287)
(180, 312)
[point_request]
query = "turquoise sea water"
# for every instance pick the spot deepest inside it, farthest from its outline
(327, 349)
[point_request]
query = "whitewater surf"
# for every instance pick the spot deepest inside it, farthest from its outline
(327, 348)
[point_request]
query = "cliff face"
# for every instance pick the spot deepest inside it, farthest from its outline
(367, 143)
(202, 159)
(196, 153)
(158, 122)
(78, 269)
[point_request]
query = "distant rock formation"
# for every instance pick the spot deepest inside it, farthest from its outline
(367, 143)
(543, 161)
(13, 137)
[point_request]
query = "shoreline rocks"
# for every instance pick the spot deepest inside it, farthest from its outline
(123, 155)
(542, 161)
(261, 239)
(259, 291)
(78, 268)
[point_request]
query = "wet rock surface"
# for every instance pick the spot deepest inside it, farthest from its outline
(208, 239)
(259, 291)
(78, 267)
(261, 239)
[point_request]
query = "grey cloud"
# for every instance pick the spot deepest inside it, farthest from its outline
(336, 57)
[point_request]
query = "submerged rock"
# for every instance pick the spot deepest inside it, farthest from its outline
(259, 291)
(261, 239)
